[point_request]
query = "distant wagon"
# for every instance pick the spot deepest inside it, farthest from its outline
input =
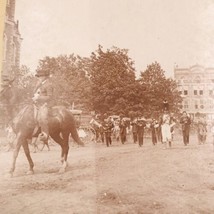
(83, 124)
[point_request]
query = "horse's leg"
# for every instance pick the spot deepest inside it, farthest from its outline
(27, 153)
(65, 149)
(17, 143)
(56, 137)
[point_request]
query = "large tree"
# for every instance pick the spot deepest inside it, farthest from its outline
(157, 88)
(70, 80)
(112, 75)
(23, 79)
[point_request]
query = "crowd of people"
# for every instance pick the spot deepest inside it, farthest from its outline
(161, 128)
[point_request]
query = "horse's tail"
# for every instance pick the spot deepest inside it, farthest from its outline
(67, 122)
(73, 129)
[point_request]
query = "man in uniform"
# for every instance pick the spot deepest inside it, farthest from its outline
(43, 94)
(123, 133)
(134, 130)
(108, 126)
(141, 124)
(185, 122)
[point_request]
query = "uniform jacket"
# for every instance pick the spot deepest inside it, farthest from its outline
(140, 128)
(185, 122)
(43, 92)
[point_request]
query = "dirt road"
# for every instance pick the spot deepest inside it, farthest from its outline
(119, 179)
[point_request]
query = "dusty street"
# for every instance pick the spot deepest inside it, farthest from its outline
(118, 179)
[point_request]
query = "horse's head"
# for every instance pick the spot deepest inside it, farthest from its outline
(9, 99)
(8, 94)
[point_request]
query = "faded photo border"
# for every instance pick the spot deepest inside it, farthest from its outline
(2, 18)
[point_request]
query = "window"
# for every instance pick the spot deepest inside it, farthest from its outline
(210, 92)
(201, 92)
(195, 92)
(186, 105)
(196, 104)
(197, 79)
(185, 92)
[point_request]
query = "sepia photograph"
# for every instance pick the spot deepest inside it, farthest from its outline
(107, 107)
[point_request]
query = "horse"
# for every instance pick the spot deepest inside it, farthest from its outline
(23, 122)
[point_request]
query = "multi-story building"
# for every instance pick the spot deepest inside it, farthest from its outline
(11, 41)
(196, 85)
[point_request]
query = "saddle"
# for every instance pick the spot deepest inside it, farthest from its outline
(53, 113)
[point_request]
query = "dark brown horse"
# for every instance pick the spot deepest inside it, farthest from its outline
(61, 125)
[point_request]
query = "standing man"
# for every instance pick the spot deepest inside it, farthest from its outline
(141, 124)
(202, 130)
(185, 124)
(108, 126)
(154, 130)
(134, 130)
(43, 94)
(123, 133)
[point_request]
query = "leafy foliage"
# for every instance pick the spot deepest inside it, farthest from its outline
(157, 88)
(23, 79)
(69, 78)
(105, 82)
(113, 84)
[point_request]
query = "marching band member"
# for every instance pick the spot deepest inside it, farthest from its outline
(185, 122)
(141, 124)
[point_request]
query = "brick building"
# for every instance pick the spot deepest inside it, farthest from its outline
(196, 85)
(11, 41)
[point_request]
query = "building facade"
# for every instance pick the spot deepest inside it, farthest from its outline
(11, 41)
(196, 85)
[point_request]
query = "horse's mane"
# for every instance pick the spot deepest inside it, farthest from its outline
(12, 100)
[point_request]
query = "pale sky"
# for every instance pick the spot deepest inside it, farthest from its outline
(166, 31)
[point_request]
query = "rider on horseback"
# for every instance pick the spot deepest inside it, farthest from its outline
(42, 98)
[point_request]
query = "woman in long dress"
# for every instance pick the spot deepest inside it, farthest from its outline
(167, 124)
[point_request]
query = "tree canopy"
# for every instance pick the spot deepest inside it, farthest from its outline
(158, 88)
(113, 84)
(70, 80)
(105, 82)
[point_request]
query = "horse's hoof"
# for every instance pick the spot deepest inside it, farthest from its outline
(30, 172)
